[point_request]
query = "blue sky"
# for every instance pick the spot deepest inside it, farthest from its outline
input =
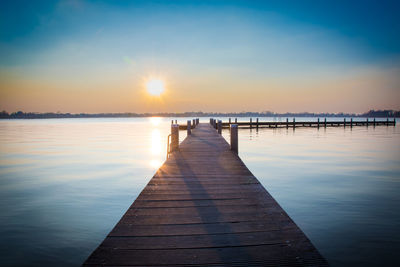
(100, 52)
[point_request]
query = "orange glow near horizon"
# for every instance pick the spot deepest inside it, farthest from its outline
(364, 90)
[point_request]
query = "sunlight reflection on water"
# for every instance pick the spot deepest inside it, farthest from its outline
(65, 183)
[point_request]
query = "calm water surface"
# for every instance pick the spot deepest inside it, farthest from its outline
(64, 184)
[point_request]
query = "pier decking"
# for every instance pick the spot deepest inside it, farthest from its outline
(203, 207)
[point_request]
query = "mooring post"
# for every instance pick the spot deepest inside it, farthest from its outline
(318, 123)
(197, 120)
(251, 121)
(351, 123)
(344, 122)
(219, 126)
(215, 123)
(257, 123)
(374, 122)
(325, 122)
(234, 138)
(229, 120)
(367, 122)
(189, 127)
(294, 123)
(210, 120)
(287, 123)
(194, 123)
(174, 137)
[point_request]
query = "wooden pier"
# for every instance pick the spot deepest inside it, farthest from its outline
(203, 207)
(317, 123)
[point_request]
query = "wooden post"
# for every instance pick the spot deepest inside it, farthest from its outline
(367, 122)
(251, 126)
(189, 127)
(234, 138)
(344, 122)
(194, 123)
(198, 121)
(235, 120)
(351, 123)
(374, 122)
(172, 122)
(210, 120)
(287, 123)
(318, 123)
(294, 123)
(257, 123)
(176, 121)
(174, 137)
(215, 124)
(325, 122)
(387, 121)
(229, 120)
(220, 127)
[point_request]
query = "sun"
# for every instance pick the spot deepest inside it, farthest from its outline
(155, 87)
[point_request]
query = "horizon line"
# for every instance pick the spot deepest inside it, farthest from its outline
(20, 114)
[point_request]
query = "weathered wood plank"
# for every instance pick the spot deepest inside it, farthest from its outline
(198, 203)
(199, 229)
(204, 241)
(262, 255)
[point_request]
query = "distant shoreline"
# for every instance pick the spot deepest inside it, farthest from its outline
(50, 115)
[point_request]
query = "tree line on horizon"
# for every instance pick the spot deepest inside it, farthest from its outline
(51, 115)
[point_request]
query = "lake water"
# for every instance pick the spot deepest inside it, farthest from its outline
(64, 183)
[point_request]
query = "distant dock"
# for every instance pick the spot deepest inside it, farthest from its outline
(292, 123)
(203, 207)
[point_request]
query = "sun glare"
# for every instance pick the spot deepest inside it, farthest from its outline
(155, 120)
(155, 87)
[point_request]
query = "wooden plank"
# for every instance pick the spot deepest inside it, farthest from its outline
(204, 207)
(204, 241)
(199, 210)
(198, 218)
(197, 203)
(262, 255)
(194, 196)
(198, 229)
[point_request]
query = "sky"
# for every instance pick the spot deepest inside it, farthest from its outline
(212, 56)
